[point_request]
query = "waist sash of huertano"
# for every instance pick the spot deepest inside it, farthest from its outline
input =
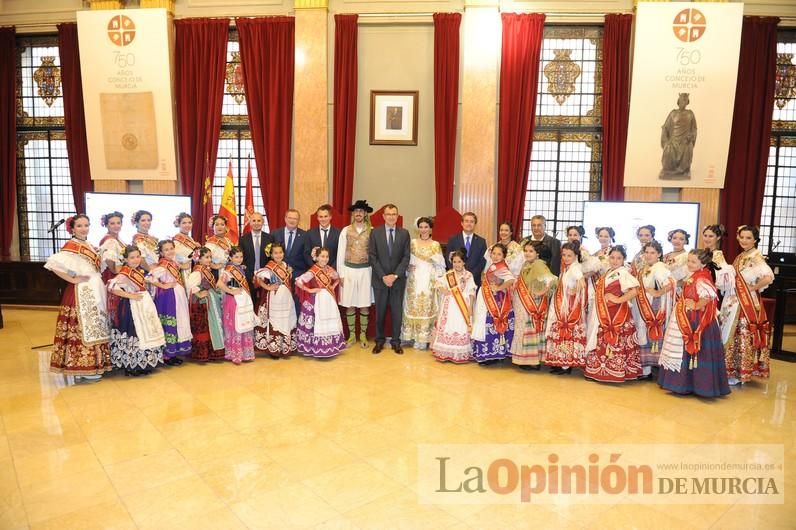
(206, 273)
(692, 338)
(83, 250)
(755, 314)
(458, 296)
(280, 271)
(173, 270)
(566, 323)
(654, 321)
(536, 312)
(500, 316)
(187, 241)
(323, 279)
(135, 275)
(610, 326)
(238, 276)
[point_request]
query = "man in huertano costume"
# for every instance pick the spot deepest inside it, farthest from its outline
(356, 294)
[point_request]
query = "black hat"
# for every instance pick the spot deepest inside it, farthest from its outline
(360, 205)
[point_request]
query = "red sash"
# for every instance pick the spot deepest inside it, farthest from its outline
(323, 279)
(206, 273)
(500, 315)
(536, 312)
(759, 326)
(458, 296)
(654, 321)
(566, 323)
(610, 326)
(692, 338)
(238, 276)
(280, 271)
(135, 275)
(173, 270)
(187, 241)
(83, 249)
(222, 242)
(145, 240)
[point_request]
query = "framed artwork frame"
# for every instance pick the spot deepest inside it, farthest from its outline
(393, 117)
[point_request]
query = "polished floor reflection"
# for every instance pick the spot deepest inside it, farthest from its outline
(302, 443)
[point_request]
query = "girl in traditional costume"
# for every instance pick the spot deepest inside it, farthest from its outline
(692, 357)
(146, 243)
(565, 336)
(320, 329)
(82, 331)
(607, 237)
(613, 353)
(110, 246)
(531, 300)
(426, 264)
(207, 329)
(137, 337)
(275, 332)
(591, 266)
(645, 234)
(493, 318)
(677, 258)
(184, 245)
(653, 308)
(451, 341)
(238, 310)
(746, 329)
(514, 255)
(171, 301)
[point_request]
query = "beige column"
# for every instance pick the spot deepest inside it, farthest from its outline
(633, 193)
(310, 118)
(478, 155)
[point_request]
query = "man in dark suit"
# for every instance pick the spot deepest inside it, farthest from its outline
(538, 226)
(388, 254)
(474, 245)
(292, 238)
(253, 245)
(324, 235)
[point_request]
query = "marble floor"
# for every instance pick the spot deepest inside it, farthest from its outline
(302, 443)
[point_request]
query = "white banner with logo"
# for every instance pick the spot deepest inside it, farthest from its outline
(125, 59)
(685, 67)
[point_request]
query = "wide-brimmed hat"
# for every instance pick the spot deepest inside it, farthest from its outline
(360, 205)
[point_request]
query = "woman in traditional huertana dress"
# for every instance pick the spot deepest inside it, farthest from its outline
(613, 354)
(82, 331)
(606, 236)
(219, 244)
(207, 329)
(110, 246)
(653, 308)
(493, 317)
(645, 234)
(237, 309)
(451, 340)
(184, 245)
(275, 332)
(426, 264)
(677, 258)
(137, 337)
(725, 274)
(514, 257)
(172, 303)
(146, 243)
(320, 329)
(565, 336)
(692, 357)
(531, 301)
(745, 327)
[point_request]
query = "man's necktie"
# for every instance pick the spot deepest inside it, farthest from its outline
(323, 237)
(289, 243)
(256, 241)
(467, 246)
(390, 241)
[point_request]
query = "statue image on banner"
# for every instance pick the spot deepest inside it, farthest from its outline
(129, 130)
(678, 136)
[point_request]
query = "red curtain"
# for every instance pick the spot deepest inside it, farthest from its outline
(267, 51)
(446, 104)
(519, 77)
(74, 119)
(200, 61)
(8, 138)
(616, 103)
(345, 109)
(745, 180)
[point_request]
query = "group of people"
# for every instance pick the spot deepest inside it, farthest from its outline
(689, 315)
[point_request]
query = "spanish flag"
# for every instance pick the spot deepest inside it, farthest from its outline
(227, 209)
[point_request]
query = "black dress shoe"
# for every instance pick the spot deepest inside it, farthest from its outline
(398, 349)
(556, 370)
(378, 347)
(564, 371)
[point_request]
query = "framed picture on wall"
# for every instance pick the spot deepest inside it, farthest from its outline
(393, 117)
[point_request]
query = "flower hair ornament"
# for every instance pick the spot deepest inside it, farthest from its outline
(68, 223)
(195, 254)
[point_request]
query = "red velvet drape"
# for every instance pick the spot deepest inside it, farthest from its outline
(345, 109)
(745, 180)
(519, 77)
(200, 60)
(8, 138)
(267, 52)
(616, 103)
(74, 118)
(446, 104)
